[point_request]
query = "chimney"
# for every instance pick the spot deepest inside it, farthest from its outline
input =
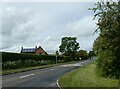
(39, 46)
(21, 48)
(35, 47)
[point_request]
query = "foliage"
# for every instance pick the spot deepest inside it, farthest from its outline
(56, 53)
(69, 46)
(91, 54)
(107, 45)
(19, 60)
(82, 54)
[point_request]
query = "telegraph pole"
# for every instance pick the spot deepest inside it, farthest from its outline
(56, 59)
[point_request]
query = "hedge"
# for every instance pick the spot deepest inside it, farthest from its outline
(18, 60)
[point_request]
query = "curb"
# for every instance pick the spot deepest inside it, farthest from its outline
(58, 85)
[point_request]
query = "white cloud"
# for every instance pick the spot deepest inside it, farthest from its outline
(45, 24)
(83, 27)
(0, 25)
(55, 0)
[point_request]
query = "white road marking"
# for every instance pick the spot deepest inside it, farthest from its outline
(58, 84)
(78, 64)
(53, 69)
(69, 65)
(27, 76)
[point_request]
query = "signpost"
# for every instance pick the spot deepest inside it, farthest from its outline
(56, 59)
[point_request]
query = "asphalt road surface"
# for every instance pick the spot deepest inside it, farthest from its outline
(46, 77)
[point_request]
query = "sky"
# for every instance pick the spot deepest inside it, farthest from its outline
(31, 24)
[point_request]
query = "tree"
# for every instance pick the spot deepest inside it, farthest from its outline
(69, 46)
(91, 54)
(56, 53)
(82, 54)
(107, 45)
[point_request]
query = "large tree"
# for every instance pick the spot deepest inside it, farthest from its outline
(107, 45)
(69, 46)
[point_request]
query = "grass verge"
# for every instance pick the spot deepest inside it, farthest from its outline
(86, 77)
(11, 71)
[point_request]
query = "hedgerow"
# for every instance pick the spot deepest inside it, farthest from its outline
(19, 60)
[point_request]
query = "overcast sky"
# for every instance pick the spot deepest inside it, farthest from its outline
(31, 24)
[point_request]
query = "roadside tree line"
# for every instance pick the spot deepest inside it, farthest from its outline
(70, 47)
(107, 45)
(69, 52)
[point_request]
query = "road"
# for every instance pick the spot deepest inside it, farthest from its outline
(46, 77)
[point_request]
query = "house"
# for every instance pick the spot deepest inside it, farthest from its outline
(36, 50)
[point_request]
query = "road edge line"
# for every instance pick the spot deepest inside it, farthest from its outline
(58, 85)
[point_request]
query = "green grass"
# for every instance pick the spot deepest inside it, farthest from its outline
(86, 77)
(9, 71)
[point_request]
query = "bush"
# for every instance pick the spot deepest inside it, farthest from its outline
(107, 45)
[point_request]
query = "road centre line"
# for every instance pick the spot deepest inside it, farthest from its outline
(27, 76)
(34, 74)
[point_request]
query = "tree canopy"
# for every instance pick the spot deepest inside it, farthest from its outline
(69, 46)
(107, 45)
(82, 54)
(56, 53)
(91, 54)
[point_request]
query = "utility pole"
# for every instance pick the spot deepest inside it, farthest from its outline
(56, 53)
(56, 59)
